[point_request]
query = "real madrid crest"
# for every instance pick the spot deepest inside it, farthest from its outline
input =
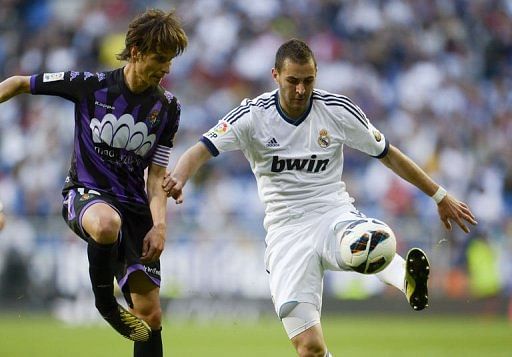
(324, 140)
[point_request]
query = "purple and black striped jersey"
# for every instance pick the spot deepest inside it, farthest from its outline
(117, 133)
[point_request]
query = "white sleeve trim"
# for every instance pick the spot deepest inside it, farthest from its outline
(161, 155)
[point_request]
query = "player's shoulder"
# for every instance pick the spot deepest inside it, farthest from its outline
(331, 99)
(99, 78)
(168, 98)
(75, 77)
(341, 105)
(251, 108)
(263, 101)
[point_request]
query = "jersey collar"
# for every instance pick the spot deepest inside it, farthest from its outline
(289, 120)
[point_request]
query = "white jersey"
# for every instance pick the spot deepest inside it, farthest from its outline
(297, 163)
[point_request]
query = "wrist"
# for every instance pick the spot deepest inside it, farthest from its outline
(180, 179)
(160, 226)
(439, 195)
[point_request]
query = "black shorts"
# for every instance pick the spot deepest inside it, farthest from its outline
(136, 221)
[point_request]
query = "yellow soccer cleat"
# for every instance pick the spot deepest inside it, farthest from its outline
(128, 325)
(417, 269)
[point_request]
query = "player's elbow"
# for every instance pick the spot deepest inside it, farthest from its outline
(13, 86)
(200, 152)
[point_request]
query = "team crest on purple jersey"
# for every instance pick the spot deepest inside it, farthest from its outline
(153, 117)
(85, 197)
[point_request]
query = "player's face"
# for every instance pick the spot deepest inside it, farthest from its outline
(152, 67)
(296, 82)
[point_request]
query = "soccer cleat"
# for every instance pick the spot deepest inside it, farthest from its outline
(128, 325)
(417, 269)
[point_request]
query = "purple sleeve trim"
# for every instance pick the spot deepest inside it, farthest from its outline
(33, 84)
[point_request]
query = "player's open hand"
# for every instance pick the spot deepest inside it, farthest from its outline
(450, 209)
(173, 187)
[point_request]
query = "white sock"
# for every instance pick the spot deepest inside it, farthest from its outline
(394, 274)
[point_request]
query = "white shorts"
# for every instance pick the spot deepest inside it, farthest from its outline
(302, 317)
(298, 254)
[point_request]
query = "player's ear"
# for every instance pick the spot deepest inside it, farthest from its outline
(135, 54)
(275, 74)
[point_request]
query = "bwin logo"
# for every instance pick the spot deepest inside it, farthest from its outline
(122, 133)
(310, 165)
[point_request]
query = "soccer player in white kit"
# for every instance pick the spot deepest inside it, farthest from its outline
(293, 138)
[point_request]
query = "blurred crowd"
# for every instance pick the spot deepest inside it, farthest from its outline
(435, 76)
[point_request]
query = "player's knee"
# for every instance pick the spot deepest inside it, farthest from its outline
(107, 227)
(151, 314)
(310, 347)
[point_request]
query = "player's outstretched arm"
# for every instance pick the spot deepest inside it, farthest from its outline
(13, 86)
(187, 166)
(449, 208)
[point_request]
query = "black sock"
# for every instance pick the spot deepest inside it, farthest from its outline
(150, 348)
(101, 272)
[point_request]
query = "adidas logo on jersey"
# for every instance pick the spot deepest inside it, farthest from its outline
(272, 143)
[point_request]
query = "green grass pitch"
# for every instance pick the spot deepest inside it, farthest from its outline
(26, 335)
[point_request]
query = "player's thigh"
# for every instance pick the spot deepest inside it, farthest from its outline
(295, 270)
(89, 213)
(145, 296)
(102, 222)
(302, 324)
(300, 318)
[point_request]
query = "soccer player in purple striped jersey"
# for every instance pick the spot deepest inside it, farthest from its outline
(293, 138)
(125, 122)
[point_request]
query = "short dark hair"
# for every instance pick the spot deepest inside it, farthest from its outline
(155, 31)
(296, 50)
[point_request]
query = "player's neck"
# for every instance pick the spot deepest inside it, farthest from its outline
(131, 80)
(291, 113)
